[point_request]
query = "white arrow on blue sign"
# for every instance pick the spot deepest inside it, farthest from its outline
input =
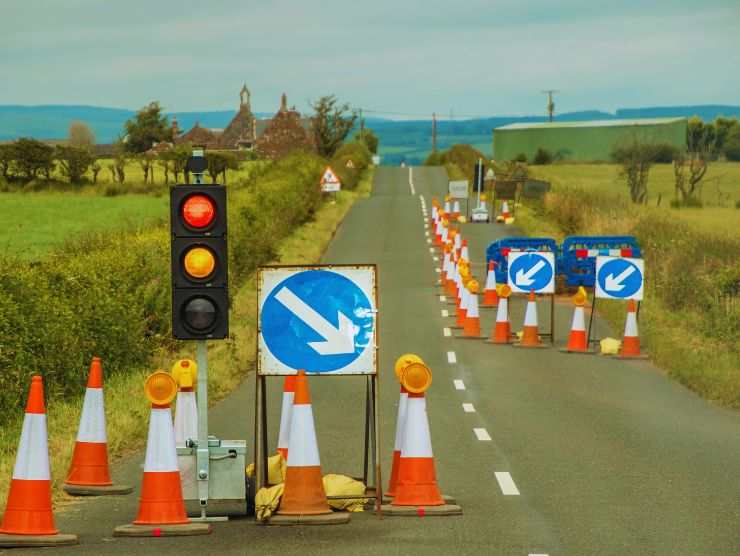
(619, 278)
(320, 319)
(531, 271)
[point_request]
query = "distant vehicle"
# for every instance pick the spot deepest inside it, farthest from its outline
(403, 165)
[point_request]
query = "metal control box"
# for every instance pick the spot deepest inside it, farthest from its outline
(227, 479)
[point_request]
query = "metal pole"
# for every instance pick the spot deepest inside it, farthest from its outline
(202, 454)
(378, 480)
(591, 320)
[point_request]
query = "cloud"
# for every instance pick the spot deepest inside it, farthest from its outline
(417, 56)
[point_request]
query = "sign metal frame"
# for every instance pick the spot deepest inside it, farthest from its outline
(371, 447)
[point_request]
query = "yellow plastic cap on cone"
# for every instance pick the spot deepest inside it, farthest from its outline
(580, 297)
(505, 291)
(160, 388)
(405, 360)
(185, 373)
(416, 378)
(473, 286)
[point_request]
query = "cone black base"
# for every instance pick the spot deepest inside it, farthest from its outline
(470, 337)
(641, 356)
(421, 511)
(538, 346)
(581, 351)
(90, 490)
(18, 541)
(183, 530)
(334, 518)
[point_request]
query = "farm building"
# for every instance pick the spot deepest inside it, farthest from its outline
(584, 141)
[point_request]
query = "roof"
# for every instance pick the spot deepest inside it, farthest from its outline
(592, 123)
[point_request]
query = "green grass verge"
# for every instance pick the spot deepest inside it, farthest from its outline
(33, 223)
(230, 362)
(690, 318)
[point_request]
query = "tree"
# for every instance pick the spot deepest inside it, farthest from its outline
(95, 169)
(636, 159)
(33, 157)
(369, 138)
(7, 158)
(732, 144)
(177, 158)
(330, 124)
(689, 168)
(149, 126)
(146, 163)
(218, 163)
(74, 161)
(723, 126)
(80, 135)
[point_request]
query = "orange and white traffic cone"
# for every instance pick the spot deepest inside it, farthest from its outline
(577, 342)
(285, 416)
(161, 505)
(458, 244)
(530, 333)
(501, 333)
(505, 211)
(631, 340)
(28, 519)
(464, 250)
(417, 492)
(89, 474)
(462, 308)
(456, 210)
(304, 498)
(399, 368)
(185, 373)
(490, 294)
(471, 327)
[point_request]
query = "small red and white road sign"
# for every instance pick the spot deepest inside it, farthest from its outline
(330, 182)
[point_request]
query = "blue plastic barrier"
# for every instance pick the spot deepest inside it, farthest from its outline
(578, 256)
(498, 251)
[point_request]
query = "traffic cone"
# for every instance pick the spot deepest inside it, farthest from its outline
(490, 295)
(577, 342)
(89, 474)
(458, 243)
(471, 327)
(505, 211)
(530, 335)
(631, 340)
(501, 333)
(28, 519)
(462, 308)
(161, 506)
(304, 498)
(417, 492)
(456, 210)
(464, 250)
(285, 415)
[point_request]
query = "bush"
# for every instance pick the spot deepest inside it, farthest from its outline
(542, 156)
(732, 144)
(521, 157)
(108, 294)
(665, 153)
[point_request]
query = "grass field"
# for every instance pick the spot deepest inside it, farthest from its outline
(35, 222)
(720, 192)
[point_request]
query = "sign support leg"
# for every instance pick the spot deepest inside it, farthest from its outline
(552, 319)
(377, 478)
(590, 321)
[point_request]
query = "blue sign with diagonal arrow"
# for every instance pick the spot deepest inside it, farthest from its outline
(318, 319)
(531, 271)
(619, 278)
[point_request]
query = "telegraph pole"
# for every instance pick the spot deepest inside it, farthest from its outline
(550, 103)
(434, 132)
(362, 126)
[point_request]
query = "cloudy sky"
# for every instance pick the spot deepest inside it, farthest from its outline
(478, 57)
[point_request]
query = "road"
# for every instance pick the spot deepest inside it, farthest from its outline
(609, 457)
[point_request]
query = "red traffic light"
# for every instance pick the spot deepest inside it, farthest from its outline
(198, 211)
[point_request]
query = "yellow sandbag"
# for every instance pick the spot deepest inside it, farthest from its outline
(341, 485)
(250, 470)
(610, 346)
(276, 469)
(267, 500)
(462, 219)
(509, 220)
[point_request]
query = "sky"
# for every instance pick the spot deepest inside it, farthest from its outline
(415, 57)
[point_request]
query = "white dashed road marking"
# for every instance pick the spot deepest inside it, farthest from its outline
(431, 249)
(451, 357)
(508, 488)
(445, 313)
(442, 298)
(459, 384)
(482, 434)
(468, 408)
(436, 259)
(447, 332)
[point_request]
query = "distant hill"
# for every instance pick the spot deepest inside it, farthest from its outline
(406, 140)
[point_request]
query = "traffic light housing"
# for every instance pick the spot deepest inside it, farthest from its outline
(200, 296)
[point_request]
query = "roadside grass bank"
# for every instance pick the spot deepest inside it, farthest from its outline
(690, 318)
(306, 231)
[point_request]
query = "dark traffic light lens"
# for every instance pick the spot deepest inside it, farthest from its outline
(200, 314)
(198, 211)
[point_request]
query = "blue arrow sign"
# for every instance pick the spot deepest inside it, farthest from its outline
(619, 278)
(532, 271)
(317, 320)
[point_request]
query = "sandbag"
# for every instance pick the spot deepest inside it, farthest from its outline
(341, 485)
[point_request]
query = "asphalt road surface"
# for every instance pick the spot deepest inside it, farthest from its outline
(552, 454)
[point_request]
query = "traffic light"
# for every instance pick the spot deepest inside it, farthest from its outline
(480, 175)
(200, 295)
